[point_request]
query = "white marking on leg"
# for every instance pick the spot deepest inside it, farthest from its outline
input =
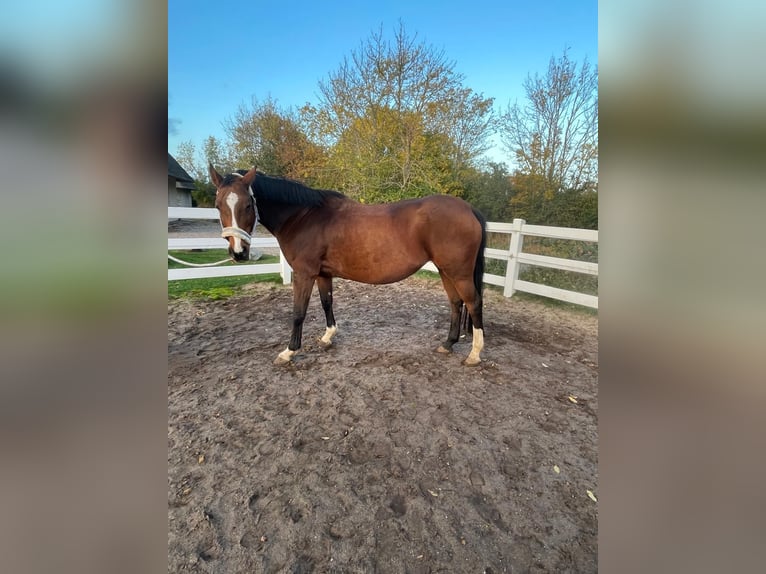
(286, 355)
(474, 357)
(231, 201)
(328, 335)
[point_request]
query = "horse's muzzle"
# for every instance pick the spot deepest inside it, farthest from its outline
(243, 255)
(245, 239)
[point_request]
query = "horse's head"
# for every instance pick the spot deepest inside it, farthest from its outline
(236, 205)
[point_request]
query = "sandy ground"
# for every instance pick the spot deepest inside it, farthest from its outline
(380, 455)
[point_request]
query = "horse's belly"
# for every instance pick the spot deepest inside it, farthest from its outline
(372, 271)
(375, 249)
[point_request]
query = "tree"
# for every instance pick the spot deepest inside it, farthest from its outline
(489, 190)
(555, 135)
(186, 156)
(554, 138)
(272, 139)
(533, 200)
(214, 151)
(467, 120)
(195, 163)
(397, 121)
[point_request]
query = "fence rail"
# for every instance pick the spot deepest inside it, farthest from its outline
(516, 257)
(510, 282)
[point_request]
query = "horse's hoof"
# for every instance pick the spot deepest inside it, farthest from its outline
(471, 361)
(280, 361)
(284, 357)
(443, 349)
(324, 345)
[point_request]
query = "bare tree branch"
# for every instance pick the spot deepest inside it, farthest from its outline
(555, 134)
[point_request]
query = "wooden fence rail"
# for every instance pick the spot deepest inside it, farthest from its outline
(510, 282)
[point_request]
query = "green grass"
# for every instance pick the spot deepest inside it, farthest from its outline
(428, 275)
(215, 287)
(210, 255)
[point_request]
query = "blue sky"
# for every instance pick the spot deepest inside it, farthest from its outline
(221, 54)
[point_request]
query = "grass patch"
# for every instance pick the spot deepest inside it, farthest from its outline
(215, 288)
(495, 266)
(569, 280)
(428, 275)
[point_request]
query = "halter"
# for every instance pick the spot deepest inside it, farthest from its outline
(226, 232)
(236, 231)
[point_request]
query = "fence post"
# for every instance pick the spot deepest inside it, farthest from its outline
(512, 269)
(287, 271)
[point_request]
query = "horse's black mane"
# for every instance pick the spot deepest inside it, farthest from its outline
(291, 192)
(232, 177)
(285, 191)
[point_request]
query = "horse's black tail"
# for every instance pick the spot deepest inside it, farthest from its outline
(478, 271)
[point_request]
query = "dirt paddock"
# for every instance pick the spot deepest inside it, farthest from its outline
(379, 454)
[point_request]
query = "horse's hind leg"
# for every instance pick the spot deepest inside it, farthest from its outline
(467, 291)
(302, 286)
(456, 306)
(324, 284)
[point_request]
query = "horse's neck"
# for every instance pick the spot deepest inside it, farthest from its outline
(275, 217)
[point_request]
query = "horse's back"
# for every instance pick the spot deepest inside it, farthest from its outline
(421, 221)
(384, 243)
(422, 212)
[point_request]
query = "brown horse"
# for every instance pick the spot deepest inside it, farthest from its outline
(324, 234)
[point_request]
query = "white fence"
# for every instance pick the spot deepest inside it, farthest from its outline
(218, 242)
(513, 255)
(516, 257)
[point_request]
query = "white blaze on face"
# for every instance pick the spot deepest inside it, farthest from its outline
(231, 201)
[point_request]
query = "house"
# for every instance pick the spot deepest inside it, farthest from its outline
(180, 185)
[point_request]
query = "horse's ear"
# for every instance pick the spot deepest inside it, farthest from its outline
(249, 177)
(215, 177)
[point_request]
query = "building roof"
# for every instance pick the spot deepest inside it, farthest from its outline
(175, 170)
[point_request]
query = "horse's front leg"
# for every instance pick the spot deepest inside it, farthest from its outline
(302, 286)
(324, 284)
